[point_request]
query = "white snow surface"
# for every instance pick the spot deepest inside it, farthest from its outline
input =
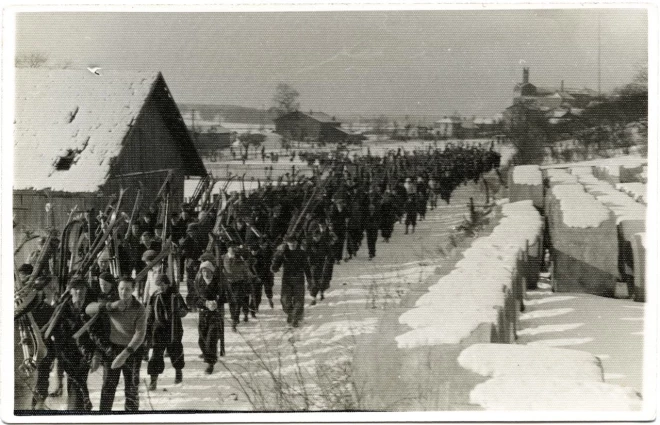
(637, 191)
(500, 360)
(528, 175)
(520, 393)
(58, 110)
(467, 296)
(579, 208)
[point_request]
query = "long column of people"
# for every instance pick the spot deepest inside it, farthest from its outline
(116, 301)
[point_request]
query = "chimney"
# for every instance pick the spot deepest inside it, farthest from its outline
(562, 86)
(525, 75)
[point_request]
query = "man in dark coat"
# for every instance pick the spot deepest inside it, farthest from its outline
(263, 258)
(294, 261)
(74, 357)
(372, 224)
(338, 216)
(410, 208)
(211, 297)
(165, 330)
(321, 259)
(238, 275)
(191, 249)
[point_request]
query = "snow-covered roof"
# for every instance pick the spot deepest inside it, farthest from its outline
(527, 174)
(75, 112)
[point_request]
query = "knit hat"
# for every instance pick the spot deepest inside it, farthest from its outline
(207, 265)
(108, 277)
(207, 256)
(149, 255)
(77, 282)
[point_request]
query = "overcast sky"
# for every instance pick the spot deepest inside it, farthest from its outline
(391, 62)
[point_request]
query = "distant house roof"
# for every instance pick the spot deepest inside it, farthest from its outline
(211, 129)
(449, 120)
(77, 115)
(341, 130)
(318, 116)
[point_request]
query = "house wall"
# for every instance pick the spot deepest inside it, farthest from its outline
(331, 134)
(206, 143)
(298, 127)
(148, 148)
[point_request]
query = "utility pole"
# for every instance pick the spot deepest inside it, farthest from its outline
(599, 53)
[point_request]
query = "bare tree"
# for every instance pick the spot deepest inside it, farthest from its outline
(31, 60)
(285, 99)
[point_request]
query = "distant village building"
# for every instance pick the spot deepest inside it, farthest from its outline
(555, 105)
(311, 126)
(80, 137)
(447, 126)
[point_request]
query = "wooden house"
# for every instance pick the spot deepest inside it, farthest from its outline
(80, 137)
(314, 126)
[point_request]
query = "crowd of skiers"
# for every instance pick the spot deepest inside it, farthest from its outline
(228, 254)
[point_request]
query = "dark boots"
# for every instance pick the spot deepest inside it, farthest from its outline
(154, 383)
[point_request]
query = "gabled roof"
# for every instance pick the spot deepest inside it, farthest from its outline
(79, 114)
(318, 116)
(58, 111)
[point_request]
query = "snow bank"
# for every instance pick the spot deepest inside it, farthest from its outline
(514, 393)
(536, 377)
(584, 234)
(558, 176)
(526, 182)
(499, 360)
(577, 207)
(527, 174)
(466, 298)
(635, 190)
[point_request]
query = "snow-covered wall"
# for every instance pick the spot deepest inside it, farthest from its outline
(584, 234)
(469, 297)
(524, 378)
(526, 182)
(635, 190)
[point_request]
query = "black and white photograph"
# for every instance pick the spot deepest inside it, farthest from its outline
(322, 212)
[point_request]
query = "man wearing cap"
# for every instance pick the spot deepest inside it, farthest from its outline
(150, 244)
(319, 253)
(191, 249)
(128, 328)
(150, 286)
(263, 258)
(210, 300)
(24, 272)
(338, 217)
(99, 332)
(74, 356)
(237, 274)
(295, 266)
